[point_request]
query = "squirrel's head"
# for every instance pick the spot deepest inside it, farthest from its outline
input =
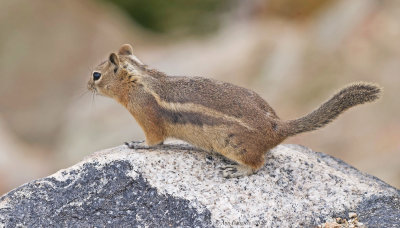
(119, 77)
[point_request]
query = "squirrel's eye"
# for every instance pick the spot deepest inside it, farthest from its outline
(96, 76)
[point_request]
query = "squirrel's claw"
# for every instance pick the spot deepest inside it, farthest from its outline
(231, 171)
(142, 145)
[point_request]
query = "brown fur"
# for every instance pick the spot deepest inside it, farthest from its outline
(213, 115)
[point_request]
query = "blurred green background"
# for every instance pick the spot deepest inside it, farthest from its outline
(295, 54)
(179, 16)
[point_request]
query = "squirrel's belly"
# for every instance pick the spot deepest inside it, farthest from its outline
(204, 137)
(210, 138)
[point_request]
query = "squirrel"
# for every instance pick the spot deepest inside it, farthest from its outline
(210, 114)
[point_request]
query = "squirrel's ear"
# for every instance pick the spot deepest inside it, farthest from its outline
(125, 49)
(114, 59)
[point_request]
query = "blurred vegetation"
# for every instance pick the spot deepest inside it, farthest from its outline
(197, 17)
(182, 16)
(294, 9)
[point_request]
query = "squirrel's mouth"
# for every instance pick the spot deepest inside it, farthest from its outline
(91, 87)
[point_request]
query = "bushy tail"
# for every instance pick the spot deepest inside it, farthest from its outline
(351, 95)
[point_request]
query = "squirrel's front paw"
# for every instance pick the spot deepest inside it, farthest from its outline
(137, 145)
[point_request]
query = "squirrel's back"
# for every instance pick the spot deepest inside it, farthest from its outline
(229, 99)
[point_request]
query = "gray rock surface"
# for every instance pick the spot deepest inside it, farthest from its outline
(177, 185)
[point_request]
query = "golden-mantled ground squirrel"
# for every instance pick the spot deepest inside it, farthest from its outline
(212, 115)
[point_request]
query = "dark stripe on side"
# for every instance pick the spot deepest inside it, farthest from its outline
(193, 118)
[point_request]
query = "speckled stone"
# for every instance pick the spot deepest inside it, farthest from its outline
(177, 185)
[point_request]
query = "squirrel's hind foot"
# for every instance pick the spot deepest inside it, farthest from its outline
(231, 171)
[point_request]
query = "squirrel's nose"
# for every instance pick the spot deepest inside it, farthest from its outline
(96, 76)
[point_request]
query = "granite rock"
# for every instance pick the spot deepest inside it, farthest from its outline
(178, 185)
